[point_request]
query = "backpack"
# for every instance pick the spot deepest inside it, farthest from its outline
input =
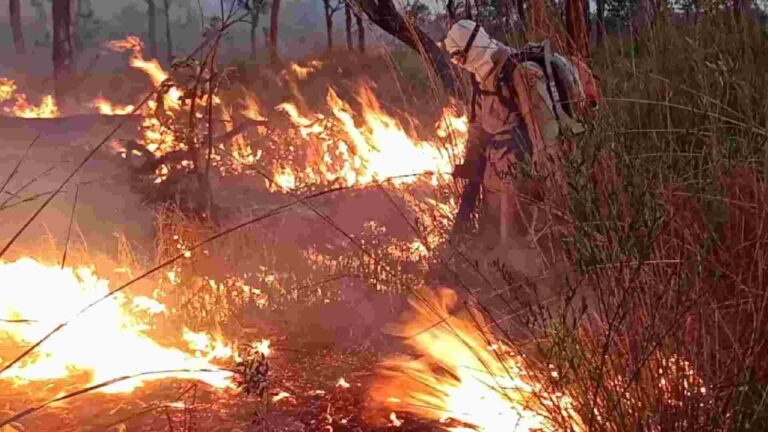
(571, 86)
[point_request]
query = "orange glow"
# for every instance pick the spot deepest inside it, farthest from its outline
(22, 107)
(303, 72)
(7, 89)
(151, 67)
(106, 342)
(252, 108)
(394, 421)
(459, 378)
(46, 109)
(280, 396)
(108, 108)
(369, 146)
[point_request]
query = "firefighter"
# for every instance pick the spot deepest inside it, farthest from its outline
(497, 131)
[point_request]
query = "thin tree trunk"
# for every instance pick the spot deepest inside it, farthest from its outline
(74, 7)
(521, 13)
(328, 23)
(254, 26)
(273, 27)
(739, 12)
(360, 32)
(168, 40)
(587, 21)
(62, 46)
(18, 34)
(600, 21)
(348, 23)
(504, 9)
(83, 10)
(152, 18)
(450, 8)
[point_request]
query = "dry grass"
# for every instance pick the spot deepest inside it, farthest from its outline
(661, 322)
(654, 307)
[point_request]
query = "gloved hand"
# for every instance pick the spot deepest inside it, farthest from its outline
(463, 171)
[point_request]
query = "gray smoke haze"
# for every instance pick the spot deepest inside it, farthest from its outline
(302, 32)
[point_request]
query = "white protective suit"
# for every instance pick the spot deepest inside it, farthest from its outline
(503, 127)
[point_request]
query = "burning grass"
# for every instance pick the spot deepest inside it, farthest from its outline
(647, 314)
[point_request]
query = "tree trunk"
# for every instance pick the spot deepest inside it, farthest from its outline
(587, 20)
(504, 10)
(348, 23)
(384, 14)
(739, 12)
(328, 23)
(273, 27)
(83, 10)
(74, 8)
(360, 32)
(521, 13)
(577, 28)
(62, 46)
(152, 18)
(168, 40)
(18, 34)
(450, 8)
(254, 25)
(600, 21)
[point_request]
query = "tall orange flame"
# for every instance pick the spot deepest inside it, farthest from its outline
(464, 374)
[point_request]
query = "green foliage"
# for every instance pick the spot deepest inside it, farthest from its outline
(417, 11)
(619, 12)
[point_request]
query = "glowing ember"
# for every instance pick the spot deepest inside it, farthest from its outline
(284, 180)
(106, 342)
(459, 378)
(280, 396)
(394, 421)
(263, 347)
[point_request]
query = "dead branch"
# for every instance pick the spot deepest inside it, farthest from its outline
(384, 14)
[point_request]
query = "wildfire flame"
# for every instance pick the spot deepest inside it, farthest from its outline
(106, 342)
(459, 378)
(303, 72)
(21, 107)
(7, 89)
(378, 149)
(151, 67)
(158, 138)
(108, 108)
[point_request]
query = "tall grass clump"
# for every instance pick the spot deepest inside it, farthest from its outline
(659, 318)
